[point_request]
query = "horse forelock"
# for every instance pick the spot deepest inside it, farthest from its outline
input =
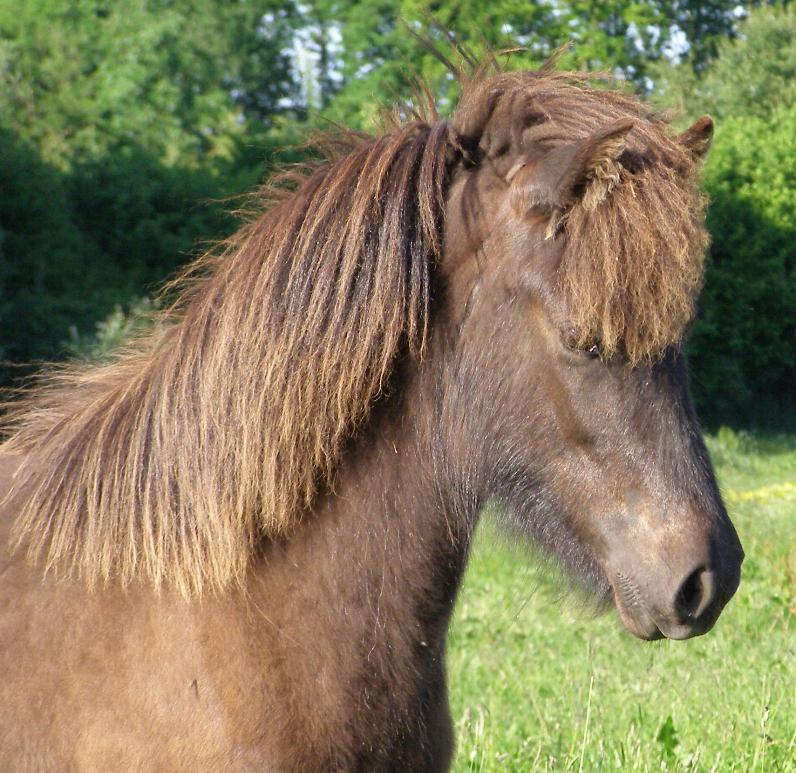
(634, 243)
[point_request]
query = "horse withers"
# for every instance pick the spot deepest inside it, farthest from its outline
(238, 544)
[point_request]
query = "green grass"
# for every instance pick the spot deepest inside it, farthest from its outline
(538, 683)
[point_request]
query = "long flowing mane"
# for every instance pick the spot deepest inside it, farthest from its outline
(174, 460)
(219, 428)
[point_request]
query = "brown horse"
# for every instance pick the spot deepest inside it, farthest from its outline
(237, 546)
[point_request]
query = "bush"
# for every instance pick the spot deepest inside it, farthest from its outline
(75, 244)
(49, 276)
(752, 74)
(116, 330)
(743, 347)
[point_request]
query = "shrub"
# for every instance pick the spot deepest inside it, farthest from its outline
(743, 347)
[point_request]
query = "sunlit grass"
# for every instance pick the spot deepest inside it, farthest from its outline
(541, 684)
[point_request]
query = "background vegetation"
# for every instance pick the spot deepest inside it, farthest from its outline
(127, 125)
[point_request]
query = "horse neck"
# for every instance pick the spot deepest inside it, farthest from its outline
(390, 541)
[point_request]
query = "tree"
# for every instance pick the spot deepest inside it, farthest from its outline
(177, 77)
(743, 347)
(378, 57)
(123, 124)
(76, 243)
(753, 73)
(47, 271)
(744, 342)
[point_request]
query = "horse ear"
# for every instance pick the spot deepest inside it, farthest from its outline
(697, 139)
(585, 170)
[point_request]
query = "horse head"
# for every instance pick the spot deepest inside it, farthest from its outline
(574, 245)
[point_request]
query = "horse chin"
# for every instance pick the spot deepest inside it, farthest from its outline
(640, 623)
(587, 579)
(543, 525)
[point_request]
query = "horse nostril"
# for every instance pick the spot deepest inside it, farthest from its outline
(695, 595)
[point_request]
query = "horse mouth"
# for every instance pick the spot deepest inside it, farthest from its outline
(697, 605)
(633, 612)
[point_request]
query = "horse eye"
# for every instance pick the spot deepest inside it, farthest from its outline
(593, 350)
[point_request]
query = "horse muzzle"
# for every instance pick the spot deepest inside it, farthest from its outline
(676, 599)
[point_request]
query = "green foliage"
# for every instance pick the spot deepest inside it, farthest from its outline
(380, 59)
(125, 125)
(667, 738)
(116, 330)
(76, 243)
(747, 460)
(79, 78)
(122, 126)
(48, 274)
(743, 347)
(753, 74)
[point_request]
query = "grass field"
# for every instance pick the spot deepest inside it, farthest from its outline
(538, 683)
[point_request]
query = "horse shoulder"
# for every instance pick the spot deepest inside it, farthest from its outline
(112, 678)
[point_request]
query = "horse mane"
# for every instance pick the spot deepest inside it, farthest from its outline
(219, 427)
(222, 424)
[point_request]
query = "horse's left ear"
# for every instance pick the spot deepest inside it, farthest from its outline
(697, 139)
